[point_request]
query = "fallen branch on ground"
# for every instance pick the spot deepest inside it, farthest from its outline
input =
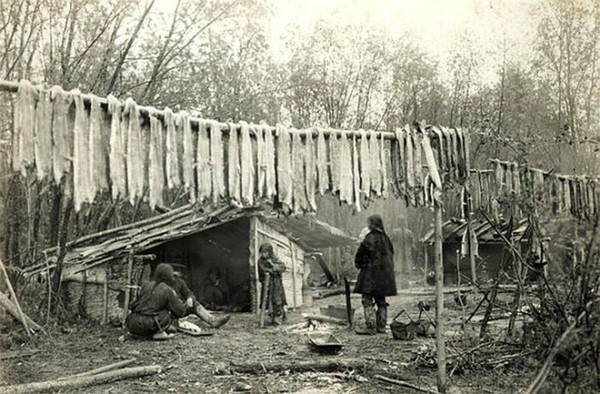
(7, 356)
(326, 319)
(106, 368)
(329, 293)
(404, 384)
(7, 304)
(334, 365)
(82, 381)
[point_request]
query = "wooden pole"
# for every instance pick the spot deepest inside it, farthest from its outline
(293, 258)
(256, 257)
(128, 287)
(439, 301)
(426, 265)
(14, 298)
(105, 295)
(265, 296)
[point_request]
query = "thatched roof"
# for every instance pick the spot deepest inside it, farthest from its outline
(94, 249)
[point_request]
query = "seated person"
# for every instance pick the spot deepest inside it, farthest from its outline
(240, 300)
(156, 306)
(192, 305)
(216, 291)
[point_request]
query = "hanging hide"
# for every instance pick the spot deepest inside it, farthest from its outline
(439, 146)
(322, 171)
(97, 158)
(345, 170)
(284, 167)
(356, 176)
(188, 155)
(62, 131)
(156, 170)
(217, 162)
(135, 175)
(384, 167)
(365, 164)
(418, 165)
(43, 135)
(401, 162)
(203, 165)
(374, 164)
(247, 165)
(23, 128)
(298, 174)
(172, 166)
(233, 165)
(310, 171)
(430, 160)
(261, 167)
(410, 166)
(334, 160)
(116, 158)
(271, 175)
(81, 153)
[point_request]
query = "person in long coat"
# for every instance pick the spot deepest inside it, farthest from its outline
(156, 306)
(376, 280)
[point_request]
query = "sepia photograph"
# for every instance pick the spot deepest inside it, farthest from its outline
(300, 196)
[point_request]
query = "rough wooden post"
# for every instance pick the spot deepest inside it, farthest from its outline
(426, 264)
(128, 287)
(105, 295)
(257, 289)
(293, 258)
(439, 301)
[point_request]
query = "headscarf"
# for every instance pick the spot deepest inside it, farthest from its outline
(376, 223)
(266, 247)
(163, 273)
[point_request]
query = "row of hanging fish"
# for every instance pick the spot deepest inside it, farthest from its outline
(108, 146)
(578, 196)
(425, 159)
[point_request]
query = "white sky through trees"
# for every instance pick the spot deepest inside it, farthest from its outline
(436, 26)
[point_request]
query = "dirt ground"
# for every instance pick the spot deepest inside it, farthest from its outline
(189, 363)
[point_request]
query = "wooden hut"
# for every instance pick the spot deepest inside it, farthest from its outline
(102, 272)
(492, 252)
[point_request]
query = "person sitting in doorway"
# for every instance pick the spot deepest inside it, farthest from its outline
(271, 267)
(216, 291)
(156, 306)
(192, 305)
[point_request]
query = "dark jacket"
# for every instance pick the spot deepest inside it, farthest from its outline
(156, 305)
(375, 260)
(181, 288)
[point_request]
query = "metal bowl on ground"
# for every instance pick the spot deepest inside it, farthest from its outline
(325, 343)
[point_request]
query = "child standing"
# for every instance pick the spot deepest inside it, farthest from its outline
(269, 264)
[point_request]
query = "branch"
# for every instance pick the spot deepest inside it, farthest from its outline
(133, 37)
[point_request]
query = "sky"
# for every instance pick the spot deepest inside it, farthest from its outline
(436, 25)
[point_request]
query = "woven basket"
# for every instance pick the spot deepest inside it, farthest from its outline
(403, 331)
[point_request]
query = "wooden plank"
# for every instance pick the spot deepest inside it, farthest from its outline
(439, 301)
(105, 295)
(255, 246)
(294, 295)
(127, 287)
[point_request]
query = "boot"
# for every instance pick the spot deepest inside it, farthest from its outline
(214, 322)
(369, 322)
(381, 318)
